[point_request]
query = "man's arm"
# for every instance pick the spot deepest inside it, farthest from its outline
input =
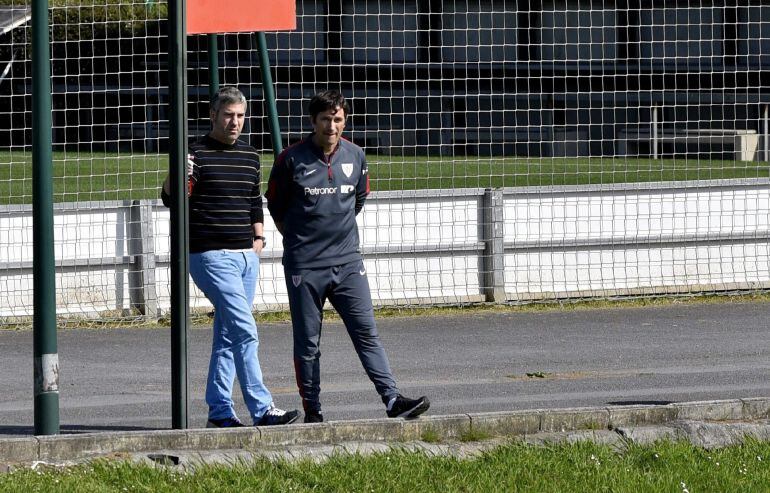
(165, 191)
(362, 187)
(277, 187)
(192, 178)
(258, 230)
(257, 212)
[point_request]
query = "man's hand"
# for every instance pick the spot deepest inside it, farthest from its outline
(190, 165)
(258, 245)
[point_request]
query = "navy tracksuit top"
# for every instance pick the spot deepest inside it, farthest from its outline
(317, 199)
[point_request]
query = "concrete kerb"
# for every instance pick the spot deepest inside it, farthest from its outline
(19, 450)
(506, 424)
(640, 415)
(449, 427)
(728, 410)
(757, 408)
(516, 423)
(73, 447)
(563, 420)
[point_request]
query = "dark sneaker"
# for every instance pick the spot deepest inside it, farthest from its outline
(224, 423)
(275, 416)
(314, 417)
(402, 407)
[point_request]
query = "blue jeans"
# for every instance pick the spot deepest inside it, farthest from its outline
(229, 279)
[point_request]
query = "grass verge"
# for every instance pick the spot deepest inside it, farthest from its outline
(585, 466)
(203, 317)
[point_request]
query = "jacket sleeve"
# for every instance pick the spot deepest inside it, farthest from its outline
(257, 213)
(278, 186)
(362, 188)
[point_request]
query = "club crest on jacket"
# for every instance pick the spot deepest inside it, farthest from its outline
(347, 168)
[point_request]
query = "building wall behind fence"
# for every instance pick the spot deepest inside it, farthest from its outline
(446, 97)
(491, 77)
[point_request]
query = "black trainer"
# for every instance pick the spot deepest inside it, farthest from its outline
(224, 423)
(314, 417)
(275, 416)
(408, 408)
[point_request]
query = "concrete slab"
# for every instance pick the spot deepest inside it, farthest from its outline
(647, 435)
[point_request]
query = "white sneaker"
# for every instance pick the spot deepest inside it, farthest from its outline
(275, 416)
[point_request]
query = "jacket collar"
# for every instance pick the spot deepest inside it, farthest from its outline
(320, 152)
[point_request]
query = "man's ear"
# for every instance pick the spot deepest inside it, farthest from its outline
(212, 115)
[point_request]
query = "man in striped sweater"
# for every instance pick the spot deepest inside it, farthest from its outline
(226, 238)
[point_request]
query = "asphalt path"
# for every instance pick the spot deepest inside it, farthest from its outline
(120, 379)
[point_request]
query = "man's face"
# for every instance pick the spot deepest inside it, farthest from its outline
(227, 124)
(328, 126)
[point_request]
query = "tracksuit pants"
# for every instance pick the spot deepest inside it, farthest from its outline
(347, 289)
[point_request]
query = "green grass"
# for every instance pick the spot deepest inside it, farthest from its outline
(201, 317)
(474, 435)
(80, 176)
(664, 467)
(477, 172)
(431, 436)
(85, 176)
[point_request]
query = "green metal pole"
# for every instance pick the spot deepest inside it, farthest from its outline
(46, 354)
(267, 84)
(213, 65)
(177, 88)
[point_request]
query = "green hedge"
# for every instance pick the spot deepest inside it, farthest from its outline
(73, 20)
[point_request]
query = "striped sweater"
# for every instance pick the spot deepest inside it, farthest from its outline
(225, 197)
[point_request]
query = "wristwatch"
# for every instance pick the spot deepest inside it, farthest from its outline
(264, 240)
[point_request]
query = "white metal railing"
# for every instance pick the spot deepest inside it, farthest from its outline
(435, 246)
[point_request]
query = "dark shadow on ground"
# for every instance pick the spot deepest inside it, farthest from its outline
(70, 429)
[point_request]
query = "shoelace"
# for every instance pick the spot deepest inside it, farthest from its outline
(274, 411)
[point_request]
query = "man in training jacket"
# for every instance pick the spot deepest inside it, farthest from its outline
(316, 189)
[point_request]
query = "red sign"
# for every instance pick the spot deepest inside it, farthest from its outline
(230, 16)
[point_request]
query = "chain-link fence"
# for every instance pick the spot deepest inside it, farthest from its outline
(518, 150)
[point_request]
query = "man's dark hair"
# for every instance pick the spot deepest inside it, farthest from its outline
(227, 95)
(327, 100)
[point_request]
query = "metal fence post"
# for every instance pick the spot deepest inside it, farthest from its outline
(213, 52)
(492, 234)
(45, 345)
(766, 132)
(655, 132)
(269, 92)
(141, 248)
(180, 266)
